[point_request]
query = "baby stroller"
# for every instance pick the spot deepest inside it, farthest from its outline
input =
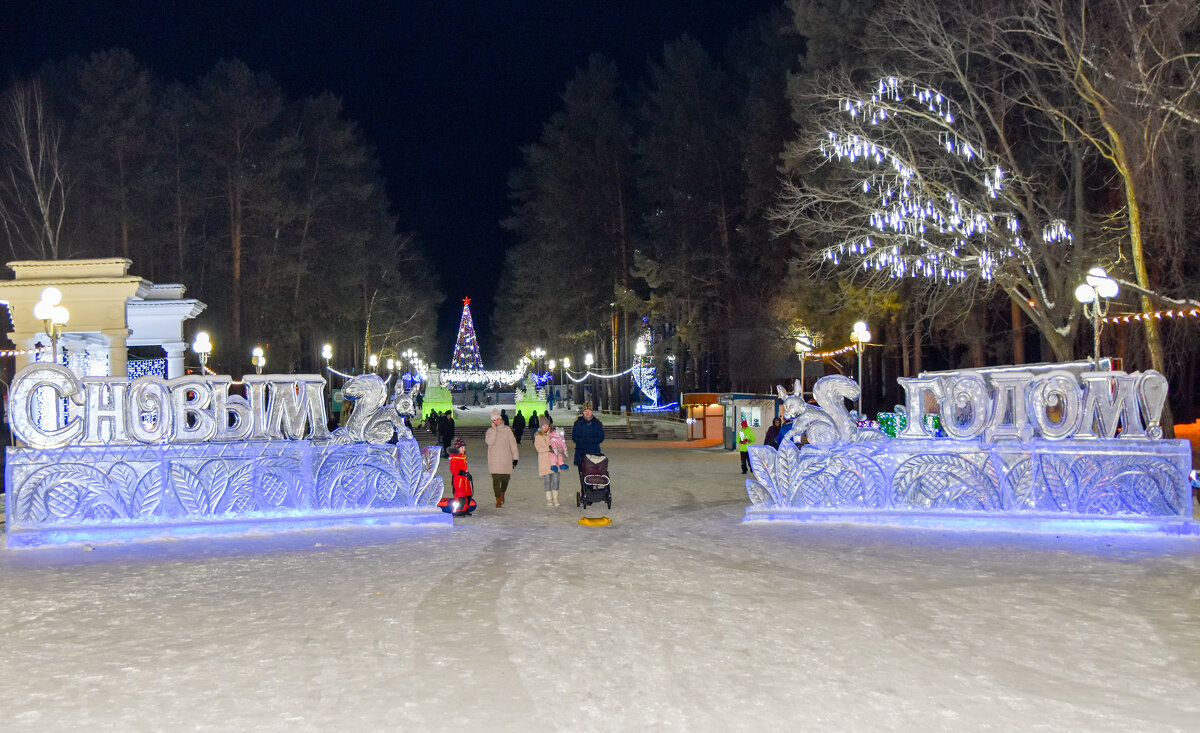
(596, 486)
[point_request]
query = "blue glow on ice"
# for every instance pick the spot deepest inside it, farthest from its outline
(94, 494)
(1071, 486)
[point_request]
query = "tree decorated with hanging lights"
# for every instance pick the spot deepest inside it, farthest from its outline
(644, 375)
(466, 347)
(915, 193)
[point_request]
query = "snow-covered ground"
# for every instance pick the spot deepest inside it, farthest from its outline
(675, 617)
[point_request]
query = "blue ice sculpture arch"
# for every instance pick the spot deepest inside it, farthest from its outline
(185, 457)
(1052, 452)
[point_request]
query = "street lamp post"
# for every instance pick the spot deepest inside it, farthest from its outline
(202, 347)
(1094, 294)
(804, 344)
(373, 360)
(53, 315)
(327, 355)
(413, 359)
(860, 337)
(258, 359)
(588, 360)
(565, 366)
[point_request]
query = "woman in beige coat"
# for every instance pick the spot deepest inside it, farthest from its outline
(502, 455)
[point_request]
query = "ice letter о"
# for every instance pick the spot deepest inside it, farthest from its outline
(967, 395)
(1058, 391)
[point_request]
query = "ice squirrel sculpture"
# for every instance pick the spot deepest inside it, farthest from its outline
(373, 420)
(829, 422)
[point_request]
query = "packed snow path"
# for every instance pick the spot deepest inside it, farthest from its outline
(675, 617)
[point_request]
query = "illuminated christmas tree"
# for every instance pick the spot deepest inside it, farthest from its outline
(466, 348)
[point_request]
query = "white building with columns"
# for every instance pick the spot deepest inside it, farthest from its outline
(110, 311)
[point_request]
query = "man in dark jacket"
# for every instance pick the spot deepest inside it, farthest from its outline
(446, 431)
(587, 433)
(518, 426)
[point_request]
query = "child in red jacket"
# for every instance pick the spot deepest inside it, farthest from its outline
(461, 480)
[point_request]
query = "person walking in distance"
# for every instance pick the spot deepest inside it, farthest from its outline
(772, 438)
(745, 439)
(446, 431)
(502, 455)
(587, 433)
(518, 426)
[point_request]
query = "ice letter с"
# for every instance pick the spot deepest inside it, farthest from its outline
(25, 427)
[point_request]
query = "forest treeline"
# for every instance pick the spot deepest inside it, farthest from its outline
(271, 210)
(700, 197)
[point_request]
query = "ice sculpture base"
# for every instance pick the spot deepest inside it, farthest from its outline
(78, 494)
(1048, 486)
(978, 521)
(129, 532)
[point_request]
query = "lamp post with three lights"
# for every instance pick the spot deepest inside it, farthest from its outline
(860, 337)
(53, 315)
(1094, 293)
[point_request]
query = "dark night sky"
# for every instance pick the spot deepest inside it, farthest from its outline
(446, 90)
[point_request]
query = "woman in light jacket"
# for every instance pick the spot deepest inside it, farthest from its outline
(502, 455)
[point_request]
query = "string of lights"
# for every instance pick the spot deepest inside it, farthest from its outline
(818, 355)
(590, 373)
(22, 352)
(1157, 315)
(923, 228)
(343, 375)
